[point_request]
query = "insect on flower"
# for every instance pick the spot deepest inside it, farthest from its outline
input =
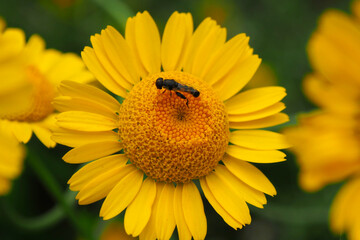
(171, 84)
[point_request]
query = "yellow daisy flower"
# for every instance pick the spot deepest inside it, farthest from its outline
(327, 142)
(172, 128)
(29, 74)
(321, 138)
(11, 160)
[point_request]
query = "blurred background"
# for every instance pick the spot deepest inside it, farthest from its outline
(278, 30)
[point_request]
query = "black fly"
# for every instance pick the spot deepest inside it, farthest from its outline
(172, 85)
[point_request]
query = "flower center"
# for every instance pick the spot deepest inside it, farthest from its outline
(173, 135)
(32, 99)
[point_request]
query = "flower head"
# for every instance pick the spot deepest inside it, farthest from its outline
(147, 152)
(29, 74)
(327, 142)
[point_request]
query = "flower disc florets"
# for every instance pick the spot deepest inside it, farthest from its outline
(168, 139)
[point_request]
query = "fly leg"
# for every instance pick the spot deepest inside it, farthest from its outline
(183, 97)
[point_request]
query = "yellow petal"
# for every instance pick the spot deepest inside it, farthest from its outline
(258, 156)
(101, 185)
(232, 222)
(194, 211)
(22, 131)
(5, 186)
(12, 41)
(149, 231)
(66, 67)
(93, 64)
(238, 78)
(207, 39)
(34, 48)
(44, 135)
(258, 139)
(102, 55)
(2, 25)
(241, 189)
(143, 37)
(76, 138)
(228, 199)
(92, 151)
(75, 89)
(165, 219)
(254, 100)
(182, 228)
(265, 112)
(224, 59)
(175, 39)
(122, 194)
(120, 54)
(138, 213)
(270, 121)
(249, 174)
(94, 169)
(48, 59)
(355, 7)
(85, 121)
(66, 103)
(343, 206)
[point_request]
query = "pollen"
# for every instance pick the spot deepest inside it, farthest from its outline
(38, 106)
(168, 139)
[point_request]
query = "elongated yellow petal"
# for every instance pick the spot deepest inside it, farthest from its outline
(66, 103)
(273, 120)
(120, 54)
(93, 64)
(232, 222)
(183, 229)
(224, 59)
(80, 90)
(122, 194)
(85, 121)
(207, 39)
(143, 37)
(244, 191)
(92, 151)
(228, 199)
(101, 185)
(21, 130)
(249, 174)
(94, 169)
(194, 211)
(165, 219)
(258, 156)
(12, 41)
(44, 135)
(254, 100)
(77, 138)
(102, 55)
(258, 139)
(175, 39)
(266, 112)
(235, 81)
(149, 231)
(138, 213)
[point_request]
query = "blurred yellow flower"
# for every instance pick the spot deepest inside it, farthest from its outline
(173, 137)
(263, 77)
(115, 231)
(11, 160)
(327, 142)
(29, 75)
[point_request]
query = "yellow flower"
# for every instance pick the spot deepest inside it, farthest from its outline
(29, 74)
(147, 152)
(11, 160)
(327, 142)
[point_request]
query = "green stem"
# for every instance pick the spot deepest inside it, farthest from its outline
(116, 9)
(55, 190)
(37, 223)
